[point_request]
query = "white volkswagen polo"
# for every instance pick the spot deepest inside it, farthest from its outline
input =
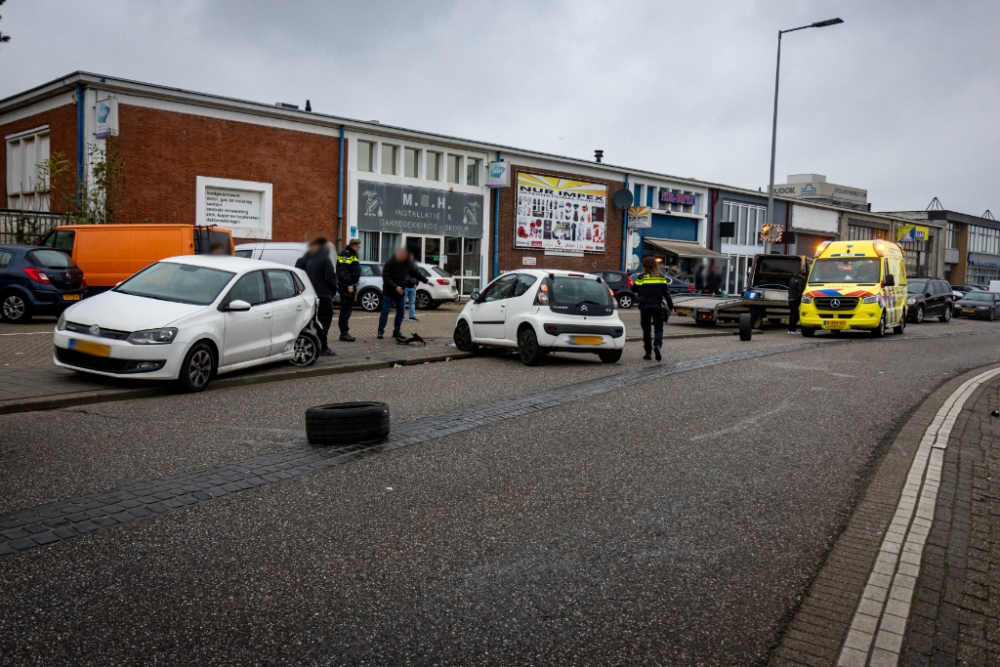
(191, 318)
(539, 311)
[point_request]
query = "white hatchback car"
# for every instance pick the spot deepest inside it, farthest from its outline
(539, 311)
(191, 318)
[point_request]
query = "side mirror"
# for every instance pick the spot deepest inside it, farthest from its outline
(239, 304)
(890, 280)
(474, 297)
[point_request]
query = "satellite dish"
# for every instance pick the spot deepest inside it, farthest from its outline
(623, 198)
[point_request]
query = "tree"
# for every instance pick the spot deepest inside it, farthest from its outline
(96, 199)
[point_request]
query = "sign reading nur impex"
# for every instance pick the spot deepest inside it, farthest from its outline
(640, 217)
(384, 207)
(668, 197)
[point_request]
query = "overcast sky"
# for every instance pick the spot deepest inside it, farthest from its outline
(902, 99)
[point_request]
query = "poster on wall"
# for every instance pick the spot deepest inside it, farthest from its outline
(385, 207)
(560, 214)
(243, 207)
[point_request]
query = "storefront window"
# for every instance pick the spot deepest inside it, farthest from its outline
(411, 157)
(470, 265)
(366, 156)
(472, 172)
(389, 159)
(390, 242)
(433, 166)
(369, 247)
(454, 168)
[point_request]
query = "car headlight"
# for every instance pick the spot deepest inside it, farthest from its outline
(910, 301)
(61, 324)
(981, 307)
(870, 299)
(807, 299)
(153, 336)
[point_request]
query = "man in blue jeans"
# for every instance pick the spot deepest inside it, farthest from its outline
(394, 275)
(410, 293)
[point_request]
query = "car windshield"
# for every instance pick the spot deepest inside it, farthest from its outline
(181, 283)
(917, 287)
(246, 254)
(978, 296)
(51, 259)
(441, 272)
(845, 270)
(574, 291)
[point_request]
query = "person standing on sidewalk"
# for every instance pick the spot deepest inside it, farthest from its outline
(394, 275)
(348, 277)
(714, 283)
(410, 293)
(651, 292)
(796, 286)
(323, 277)
(302, 261)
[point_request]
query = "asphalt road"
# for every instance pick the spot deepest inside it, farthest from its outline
(675, 521)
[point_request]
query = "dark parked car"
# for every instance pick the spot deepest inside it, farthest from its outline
(929, 297)
(37, 281)
(965, 289)
(979, 304)
(621, 284)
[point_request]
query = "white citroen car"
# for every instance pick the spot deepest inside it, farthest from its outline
(538, 311)
(191, 318)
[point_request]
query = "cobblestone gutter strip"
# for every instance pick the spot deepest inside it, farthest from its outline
(859, 594)
(69, 518)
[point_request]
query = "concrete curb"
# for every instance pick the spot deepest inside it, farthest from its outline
(292, 373)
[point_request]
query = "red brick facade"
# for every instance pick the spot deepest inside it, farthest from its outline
(511, 257)
(165, 151)
(62, 139)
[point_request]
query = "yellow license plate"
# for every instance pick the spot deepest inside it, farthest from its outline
(586, 340)
(71, 297)
(835, 324)
(969, 311)
(684, 311)
(93, 349)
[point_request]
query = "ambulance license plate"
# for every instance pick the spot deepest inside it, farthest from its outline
(71, 297)
(684, 311)
(835, 324)
(86, 347)
(585, 340)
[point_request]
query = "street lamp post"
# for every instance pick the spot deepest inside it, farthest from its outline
(774, 124)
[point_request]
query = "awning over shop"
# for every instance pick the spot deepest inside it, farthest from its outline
(683, 248)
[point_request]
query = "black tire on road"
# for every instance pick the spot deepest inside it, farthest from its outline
(879, 331)
(197, 369)
(757, 320)
(527, 347)
(370, 300)
(918, 316)
(422, 300)
(625, 301)
(946, 315)
(347, 423)
(14, 308)
(610, 356)
(900, 328)
(746, 328)
(463, 337)
(807, 332)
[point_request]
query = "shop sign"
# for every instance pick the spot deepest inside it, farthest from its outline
(385, 207)
(909, 233)
(668, 197)
(528, 261)
(640, 217)
(498, 175)
(243, 207)
(107, 118)
(560, 214)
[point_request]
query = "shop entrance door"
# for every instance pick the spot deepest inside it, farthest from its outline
(426, 249)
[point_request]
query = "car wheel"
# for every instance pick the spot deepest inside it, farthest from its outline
(423, 300)
(624, 301)
(347, 423)
(757, 321)
(370, 301)
(527, 347)
(879, 331)
(610, 356)
(993, 315)
(946, 315)
(807, 332)
(15, 309)
(918, 315)
(900, 328)
(746, 326)
(463, 337)
(305, 350)
(197, 369)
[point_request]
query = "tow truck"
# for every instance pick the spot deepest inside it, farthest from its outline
(766, 295)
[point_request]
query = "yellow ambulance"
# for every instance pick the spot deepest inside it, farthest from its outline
(855, 285)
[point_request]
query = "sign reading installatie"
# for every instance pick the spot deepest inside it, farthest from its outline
(384, 207)
(560, 214)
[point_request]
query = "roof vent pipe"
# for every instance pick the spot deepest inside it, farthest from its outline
(598, 154)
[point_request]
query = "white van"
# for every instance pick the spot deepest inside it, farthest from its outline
(271, 251)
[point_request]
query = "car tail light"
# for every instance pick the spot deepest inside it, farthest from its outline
(37, 275)
(443, 281)
(629, 279)
(542, 297)
(690, 288)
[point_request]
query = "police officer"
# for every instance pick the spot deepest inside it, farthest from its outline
(651, 291)
(348, 277)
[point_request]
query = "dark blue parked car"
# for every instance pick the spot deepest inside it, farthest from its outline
(37, 281)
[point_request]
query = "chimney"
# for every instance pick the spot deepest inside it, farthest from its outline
(598, 154)
(309, 107)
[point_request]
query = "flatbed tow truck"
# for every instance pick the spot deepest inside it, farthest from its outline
(766, 296)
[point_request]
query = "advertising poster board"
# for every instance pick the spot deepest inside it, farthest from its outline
(640, 217)
(560, 214)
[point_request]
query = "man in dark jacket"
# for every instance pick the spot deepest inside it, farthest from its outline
(796, 286)
(394, 275)
(348, 277)
(714, 283)
(323, 277)
(301, 262)
(650, 291)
